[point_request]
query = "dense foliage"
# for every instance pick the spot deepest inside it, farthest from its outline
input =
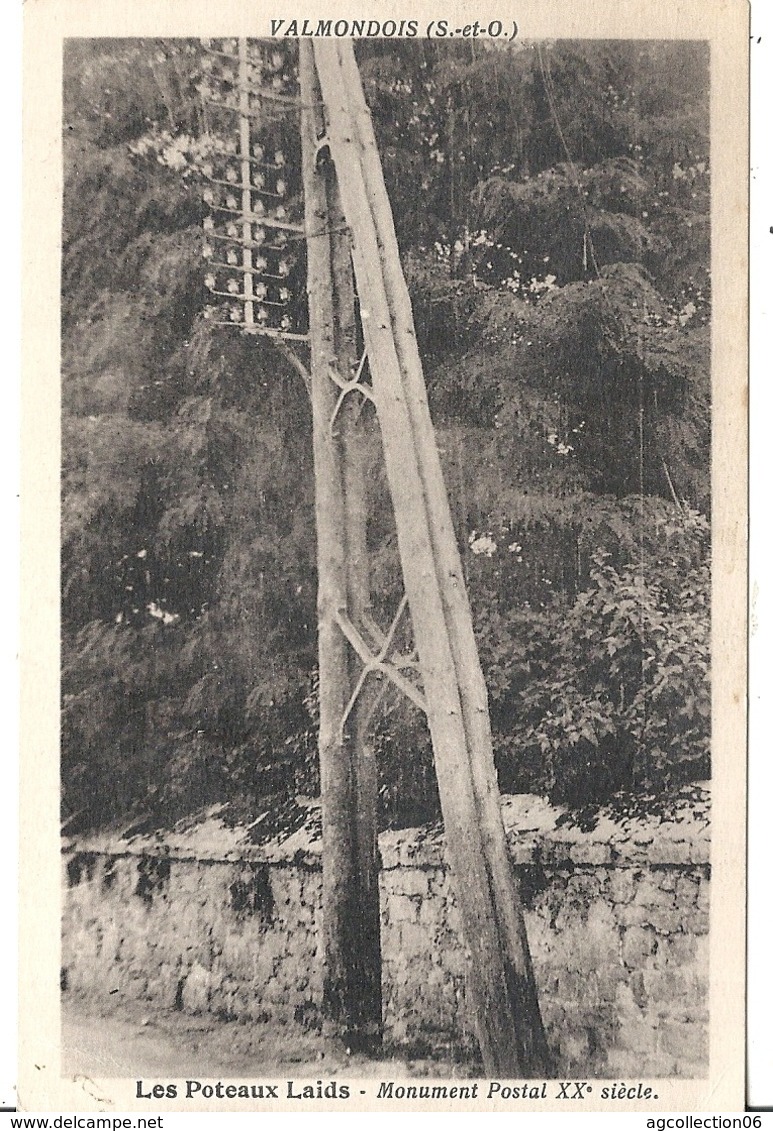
(552, 205)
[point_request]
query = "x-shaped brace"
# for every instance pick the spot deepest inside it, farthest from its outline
(346, 387)
(378, 662)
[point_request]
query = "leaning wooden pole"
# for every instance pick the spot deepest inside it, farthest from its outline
(501, 981)
(521, 984)
(351, 943)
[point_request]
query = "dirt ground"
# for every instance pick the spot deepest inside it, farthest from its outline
(120, 1039)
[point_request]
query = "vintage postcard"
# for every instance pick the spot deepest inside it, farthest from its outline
(384, 557)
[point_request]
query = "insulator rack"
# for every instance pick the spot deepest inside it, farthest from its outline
(254, 233)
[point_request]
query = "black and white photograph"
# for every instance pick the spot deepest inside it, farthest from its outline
(397, 507)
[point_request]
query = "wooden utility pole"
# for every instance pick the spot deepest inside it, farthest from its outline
(503, 991)
(351, 245)
(351, 921)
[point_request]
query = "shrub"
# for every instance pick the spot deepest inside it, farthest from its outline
(611, 691)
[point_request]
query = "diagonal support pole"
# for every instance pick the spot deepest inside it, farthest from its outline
(528, 1033)
(501, 980)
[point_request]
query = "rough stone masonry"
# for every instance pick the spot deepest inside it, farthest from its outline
(205, 920)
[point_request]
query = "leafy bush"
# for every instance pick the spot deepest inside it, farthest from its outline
(611, 691)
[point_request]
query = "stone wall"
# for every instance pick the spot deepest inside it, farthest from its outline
(617, 916)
